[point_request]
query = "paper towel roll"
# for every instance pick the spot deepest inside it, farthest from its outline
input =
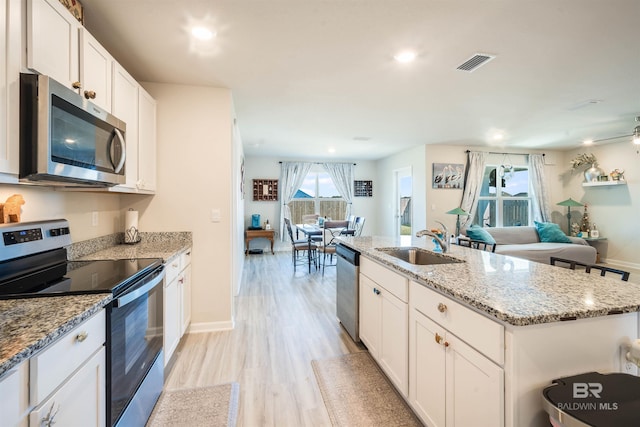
(131, 227)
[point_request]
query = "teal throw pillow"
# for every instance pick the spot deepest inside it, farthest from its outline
(551, 233)
(475, 232)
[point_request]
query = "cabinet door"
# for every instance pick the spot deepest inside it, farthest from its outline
(147, 142)
(14, 396)
(80, 400)
(186, 299)
(124, 105)
(171, 319)
(427, 370)
(393, 353)
(475, 387)
(96, 67)
(52, 41)
(370, 314)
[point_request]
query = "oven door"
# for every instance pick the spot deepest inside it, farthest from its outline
(134, 344)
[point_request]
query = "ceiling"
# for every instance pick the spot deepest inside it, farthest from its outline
(317, 78)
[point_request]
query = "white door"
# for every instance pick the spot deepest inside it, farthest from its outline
(370, 312)
(404, 210)
(394, 344)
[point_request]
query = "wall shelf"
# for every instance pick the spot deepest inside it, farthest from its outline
(603, 183)
(265, 189)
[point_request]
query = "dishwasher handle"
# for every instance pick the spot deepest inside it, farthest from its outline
(349, 255)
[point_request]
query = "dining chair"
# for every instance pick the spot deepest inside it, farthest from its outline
(331, 230)
(299, 248)
(477, 244)
(358, 225)
(624, 275)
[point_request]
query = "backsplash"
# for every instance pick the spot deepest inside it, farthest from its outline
(86, 247)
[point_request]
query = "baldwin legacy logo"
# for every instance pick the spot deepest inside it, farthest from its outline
(588, 391)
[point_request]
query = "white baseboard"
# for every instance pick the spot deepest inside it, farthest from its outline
(622, 264)
(197, 328)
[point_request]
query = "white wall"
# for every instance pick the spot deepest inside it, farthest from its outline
(269, 168)
(384, 188)
(613, 209)
(195, 169)
(77, 207)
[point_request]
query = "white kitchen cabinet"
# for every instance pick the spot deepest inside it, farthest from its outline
(52, 41)
(14, 396)
(10, 18)
(96, 68)
(384, 321)
(124, 105)
(451, 383)
(147, 142)
(80, 400)
(177, 302)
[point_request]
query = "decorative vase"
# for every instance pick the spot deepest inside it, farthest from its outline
(592, 174)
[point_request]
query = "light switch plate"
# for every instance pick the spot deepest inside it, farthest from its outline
(215, 215)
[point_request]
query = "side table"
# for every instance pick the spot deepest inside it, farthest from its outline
(593, 241)
(249, 235)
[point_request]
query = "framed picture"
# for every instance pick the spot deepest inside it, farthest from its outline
(448, 175)
(363, 188)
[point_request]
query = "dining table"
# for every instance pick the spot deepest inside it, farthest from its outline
(311, 230)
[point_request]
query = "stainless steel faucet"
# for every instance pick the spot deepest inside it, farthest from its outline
(443, 242)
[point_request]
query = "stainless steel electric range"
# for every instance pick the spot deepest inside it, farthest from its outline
(33, 263)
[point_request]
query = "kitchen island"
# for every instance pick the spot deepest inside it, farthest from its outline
(511, 324)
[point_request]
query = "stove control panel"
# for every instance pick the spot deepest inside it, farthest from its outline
(27, 238)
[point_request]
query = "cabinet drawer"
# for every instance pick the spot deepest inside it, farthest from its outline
(173, 267)
(53, 365)
(185, 258)
(392, 282)
(482, 333)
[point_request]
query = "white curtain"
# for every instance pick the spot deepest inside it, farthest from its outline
(291, 177)
(342, 176)
(472, 185)
(539, 190)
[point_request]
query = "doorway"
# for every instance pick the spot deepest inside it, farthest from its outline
(404, 209)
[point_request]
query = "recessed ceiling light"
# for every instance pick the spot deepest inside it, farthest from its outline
(497, 136)
(405, 56)
(332, 150)
(202, 33)
(588, 142)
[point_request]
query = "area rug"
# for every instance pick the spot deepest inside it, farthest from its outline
(357, 393)
(196, 407)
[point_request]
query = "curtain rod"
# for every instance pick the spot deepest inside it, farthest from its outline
(319, 163)
(509, 154)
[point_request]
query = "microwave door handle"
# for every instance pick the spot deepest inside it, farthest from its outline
(120, 164)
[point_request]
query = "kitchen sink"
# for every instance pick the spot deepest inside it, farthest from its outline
(418, 256)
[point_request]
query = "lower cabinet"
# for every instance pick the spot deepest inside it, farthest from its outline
(384, 323)
(177, 302)
(451, 383)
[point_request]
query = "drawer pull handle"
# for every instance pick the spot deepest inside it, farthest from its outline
(49, 419)
(82, 336)
(442, 308)
(439, 339)
(174, 265)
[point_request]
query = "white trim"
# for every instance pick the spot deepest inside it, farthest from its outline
(196, 328)
(621, 264)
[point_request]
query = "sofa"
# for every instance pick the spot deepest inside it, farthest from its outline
(524, 242)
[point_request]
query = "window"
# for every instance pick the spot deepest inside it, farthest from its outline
(504, 197)
(317, 195)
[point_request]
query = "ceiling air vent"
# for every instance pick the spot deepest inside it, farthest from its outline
(473, 63)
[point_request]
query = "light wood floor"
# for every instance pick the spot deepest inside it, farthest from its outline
(283, 322)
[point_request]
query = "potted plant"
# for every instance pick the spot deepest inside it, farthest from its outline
(592, 173)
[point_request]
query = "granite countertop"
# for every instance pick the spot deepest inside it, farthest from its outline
(513, 290)
(153, 245)
(29, 325)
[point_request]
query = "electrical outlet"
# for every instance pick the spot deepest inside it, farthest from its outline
(94, 218)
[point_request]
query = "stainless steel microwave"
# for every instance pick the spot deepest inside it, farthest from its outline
(67, 140)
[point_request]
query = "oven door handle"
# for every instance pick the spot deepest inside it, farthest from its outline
(136, 293)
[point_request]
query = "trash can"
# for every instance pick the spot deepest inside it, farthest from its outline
(594, 399)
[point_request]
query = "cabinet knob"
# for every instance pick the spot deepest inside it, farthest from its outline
(442, 308)
(376, 291)
(89, 94)
(76, 85)
(82, 336)
(439, 339)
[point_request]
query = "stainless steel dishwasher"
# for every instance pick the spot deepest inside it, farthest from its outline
(348, 263)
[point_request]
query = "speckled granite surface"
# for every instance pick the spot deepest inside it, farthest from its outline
(513, 290)
(152, 245)
(28, 325)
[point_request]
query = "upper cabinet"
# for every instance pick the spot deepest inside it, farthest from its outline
(146, 141)
(52, 41)
(125, 107)
(10, 39)
(96, 67)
